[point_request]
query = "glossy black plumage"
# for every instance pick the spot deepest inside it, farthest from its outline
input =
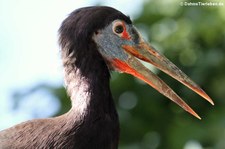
(92, 122)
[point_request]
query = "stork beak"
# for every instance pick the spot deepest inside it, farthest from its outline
(147, 53)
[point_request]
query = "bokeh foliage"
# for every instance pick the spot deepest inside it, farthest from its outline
(192, 37)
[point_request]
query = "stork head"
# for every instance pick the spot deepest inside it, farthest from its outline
(122, 47)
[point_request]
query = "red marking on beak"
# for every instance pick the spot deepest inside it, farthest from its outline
(124, 67)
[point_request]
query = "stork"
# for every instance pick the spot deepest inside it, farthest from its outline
(94, 41)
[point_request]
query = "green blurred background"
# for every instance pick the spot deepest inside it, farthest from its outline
(193, 38)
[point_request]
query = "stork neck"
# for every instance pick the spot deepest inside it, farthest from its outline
(92, 108)
(89, 89)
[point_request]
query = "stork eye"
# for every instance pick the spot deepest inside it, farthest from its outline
(118, 29)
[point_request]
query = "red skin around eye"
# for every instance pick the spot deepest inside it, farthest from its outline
(125, 34)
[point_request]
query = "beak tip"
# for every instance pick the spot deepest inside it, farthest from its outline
(209, 100)
(195, 115)
(212, 103)
(199, 117)
(205, 96)
(192, 112)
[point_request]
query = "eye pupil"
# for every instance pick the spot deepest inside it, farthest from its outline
(119, 29)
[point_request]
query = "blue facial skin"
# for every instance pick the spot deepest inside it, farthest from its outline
(109, 49)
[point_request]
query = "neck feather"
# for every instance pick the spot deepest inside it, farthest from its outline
(87, 81)
(93, 118)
